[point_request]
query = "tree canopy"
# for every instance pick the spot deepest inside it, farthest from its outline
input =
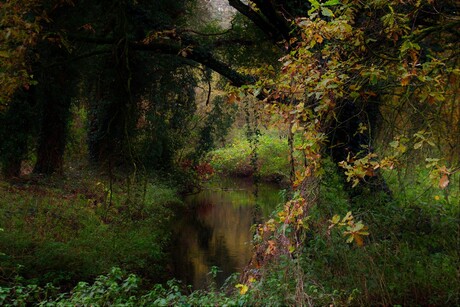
(345, 68)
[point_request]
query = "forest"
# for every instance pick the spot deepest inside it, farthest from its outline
(229, 153)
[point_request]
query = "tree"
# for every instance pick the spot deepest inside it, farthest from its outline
(351, 61)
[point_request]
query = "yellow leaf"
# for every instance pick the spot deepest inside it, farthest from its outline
(243, 288)
(294, 128)
(319, 38)
(347, 217)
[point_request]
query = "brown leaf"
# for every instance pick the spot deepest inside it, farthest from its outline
(444, 181)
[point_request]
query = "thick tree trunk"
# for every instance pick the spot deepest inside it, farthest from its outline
(54, 94)
(347, 140)
(17, 126)
(53, 134)
(112, 114)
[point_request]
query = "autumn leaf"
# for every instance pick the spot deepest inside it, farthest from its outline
(405, 81)
(232, 98)
(444, 181)
(359, 240)
(243, 288)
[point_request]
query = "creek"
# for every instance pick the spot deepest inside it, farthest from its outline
(215, 229)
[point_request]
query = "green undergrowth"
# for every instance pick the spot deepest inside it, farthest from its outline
(62, 230)
(272, 157)
(118, 288)
(409, 258)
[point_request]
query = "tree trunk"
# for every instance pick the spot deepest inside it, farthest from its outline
(55, 99)
(347, 140)
(18, 124)
(52, 140)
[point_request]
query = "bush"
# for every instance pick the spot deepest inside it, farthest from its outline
(235, 159)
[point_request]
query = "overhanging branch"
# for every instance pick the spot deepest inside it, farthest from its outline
(190, 50)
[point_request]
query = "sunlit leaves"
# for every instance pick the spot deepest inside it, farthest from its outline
(358, 168)
(243, 288)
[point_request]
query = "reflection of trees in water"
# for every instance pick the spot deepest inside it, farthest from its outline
(215, 231)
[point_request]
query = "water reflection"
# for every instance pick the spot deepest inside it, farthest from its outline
(215, 230)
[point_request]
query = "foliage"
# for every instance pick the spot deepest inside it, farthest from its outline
(74, 232)
(20, 31)
(116, 288)
(235, 158)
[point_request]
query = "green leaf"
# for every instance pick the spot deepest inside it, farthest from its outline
(373, 80)
(314, 6)
(331, 3)
(327, 12)
(335, 219)
(354, 95)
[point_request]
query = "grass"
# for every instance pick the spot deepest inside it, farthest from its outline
(62, 230)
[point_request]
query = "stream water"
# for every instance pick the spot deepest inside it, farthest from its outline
(215, 230)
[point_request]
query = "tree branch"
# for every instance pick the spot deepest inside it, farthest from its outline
(257, 19)
(184, 48)
(198, 54)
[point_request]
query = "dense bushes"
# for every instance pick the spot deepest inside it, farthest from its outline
(272, 158)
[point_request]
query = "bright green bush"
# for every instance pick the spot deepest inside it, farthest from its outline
(272, 157)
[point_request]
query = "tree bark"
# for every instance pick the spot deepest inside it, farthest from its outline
(54, 97)
(345, 140)
(18, 125)
(53, 132)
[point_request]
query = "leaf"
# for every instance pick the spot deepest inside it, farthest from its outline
(327, 12)
(231, 98)
(358, 239)
(347, 217)
(295, 127)
(444, 181)
(4, 54)
(405, 81)
(335, 219)
(331, 3)
(318, 38)
(243, 288)
(354, 95)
